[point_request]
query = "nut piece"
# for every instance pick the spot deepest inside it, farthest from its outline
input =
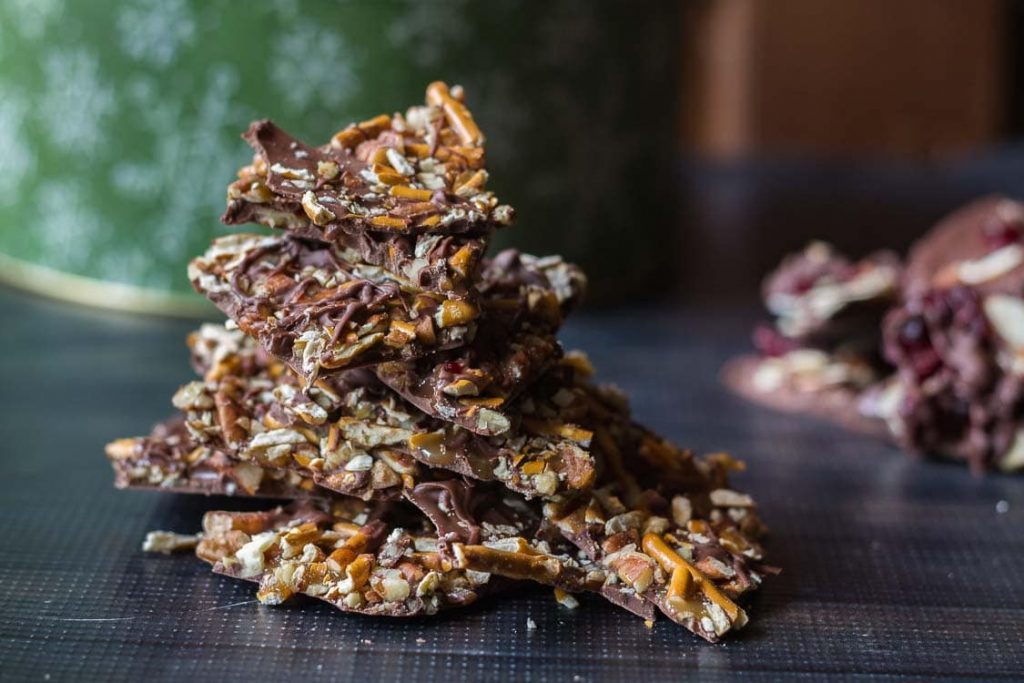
(458, 116)
(682, 510)
(1006, 315)
(991, 266)
(168, 542)
(328, 170)
(455, 312)
(730, 499)
(317, 212)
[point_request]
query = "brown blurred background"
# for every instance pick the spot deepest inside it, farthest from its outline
(858, 122)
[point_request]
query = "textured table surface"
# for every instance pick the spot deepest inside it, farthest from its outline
(893, 568)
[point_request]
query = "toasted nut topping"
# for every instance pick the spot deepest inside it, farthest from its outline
(682, 510)
(492, 421)
(565, 599)
(474, 185)
(546, 483)
(395, 588)
(389, 222)
(533, 467)
(1006, 314)
(991, 266)
(430, 583)
(461, 387)
(348, 138)
(168, 542)
(461, 260)
(504, 214)
(328, 170)
(456, 312)
(317, 212)
(360, 463)
(249, 476)
(399, 162)
(407, 192)
(122, 449)
(671, 561)
(458, 116)
(400, 334)
(375, 126)
(728, 498)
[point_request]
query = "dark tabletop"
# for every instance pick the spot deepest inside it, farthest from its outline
(891, 567)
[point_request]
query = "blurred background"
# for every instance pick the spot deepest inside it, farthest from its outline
(675, 149)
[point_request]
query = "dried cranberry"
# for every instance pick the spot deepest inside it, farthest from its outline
(804, 284)
(453, 367)
(999, 232)
(916, 348)
(925, 362)
(913, 333)
(770, 343)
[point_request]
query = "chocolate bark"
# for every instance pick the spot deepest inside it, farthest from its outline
(960, 379)
(386, 189)
(304, 303)
(801, 392)
(483, 529)
(979, 246)
(821, 299)
(351, 556)
(440, 262)
(362, 440)
(169, 459)
(659, 517)
(525, 299)
(950, 381)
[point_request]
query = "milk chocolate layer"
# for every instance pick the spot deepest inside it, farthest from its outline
(350, 555)
(524, 299)
(169, 459)
(360, 439)
(305, 304)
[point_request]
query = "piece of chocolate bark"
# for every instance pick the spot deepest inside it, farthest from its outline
(406, 192)
(169, 459)
(304, 303)
(482, 528)
(822, 348)
(957, 341)
(958, 390)
(360, 439)
(382, 562)
(950, 380)
(525, 299)
(659, 517)
(352, 555)
(979, 246)
(818, 298)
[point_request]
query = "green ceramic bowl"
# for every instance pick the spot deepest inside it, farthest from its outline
(119, 124)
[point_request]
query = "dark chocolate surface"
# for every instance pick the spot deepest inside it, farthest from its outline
(893, 568)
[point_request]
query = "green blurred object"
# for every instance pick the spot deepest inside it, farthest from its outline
(119, 121)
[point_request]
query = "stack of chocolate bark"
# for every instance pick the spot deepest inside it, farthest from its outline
(409, 399)
(929, 354)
